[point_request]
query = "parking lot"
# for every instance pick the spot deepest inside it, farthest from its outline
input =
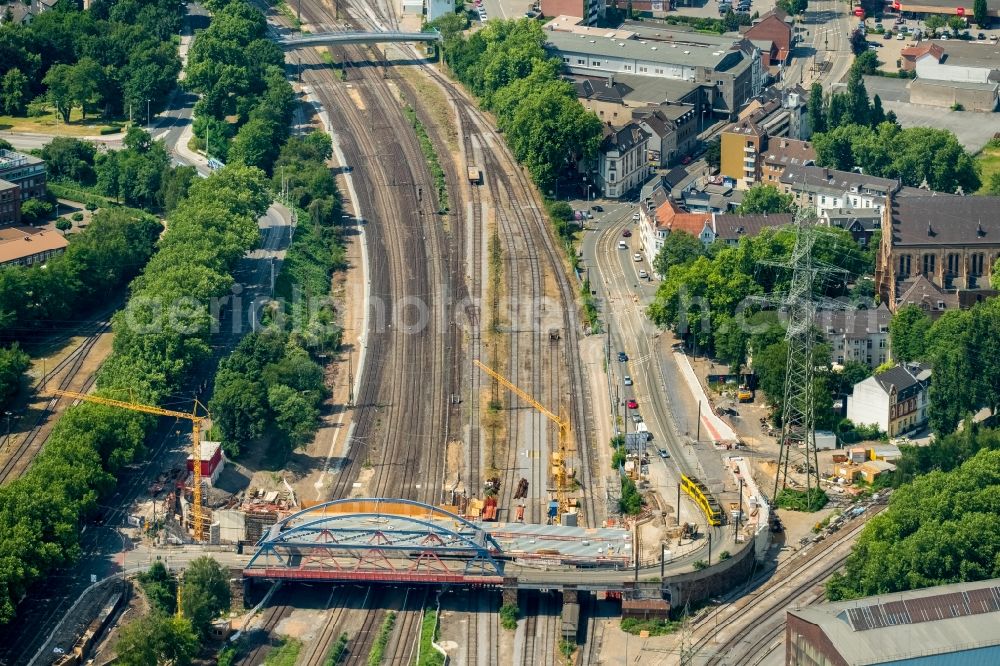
(710, 8)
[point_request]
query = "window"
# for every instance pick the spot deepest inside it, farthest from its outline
(720, 83)
(565, 58)
(881, 343)
(822, 200)
(597, 63)
(929, 264)
(628, 68)
(581, 61)
(642, 69)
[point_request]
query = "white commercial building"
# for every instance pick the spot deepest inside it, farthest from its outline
(621, 160)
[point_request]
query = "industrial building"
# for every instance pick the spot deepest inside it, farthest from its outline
(728, 70)
(936, 626)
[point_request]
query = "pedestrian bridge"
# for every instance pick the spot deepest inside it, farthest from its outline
(355, 37)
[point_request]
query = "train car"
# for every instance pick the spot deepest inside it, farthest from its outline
(475, 175)
(697, 491)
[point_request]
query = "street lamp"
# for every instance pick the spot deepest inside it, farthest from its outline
(148, 115)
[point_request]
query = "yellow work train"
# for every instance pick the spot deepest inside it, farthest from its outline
(699, 493)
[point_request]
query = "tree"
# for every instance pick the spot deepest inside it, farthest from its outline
(713, 153)
(70, 158)
(765, 199)
(254, 145)
(206, 593)
(34, 211)
(63, 225)
(979, 13)
(13, 364)
(934, 23)
(994, 187)
(160, 588)
(858, 42)
(631, 500)
(837, 113)
(877, 113)
(908, 333)
(858, 109)
(679, 248)
(866, 63)
(816, 110)
(957, 24)
(14, 92)
(60, 84)
(157, 639)
(86, 83)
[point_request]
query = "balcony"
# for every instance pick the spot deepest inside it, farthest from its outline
(750, 150)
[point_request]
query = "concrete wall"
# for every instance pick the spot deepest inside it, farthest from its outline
(929, 68)
(945, 96)
(717, 579)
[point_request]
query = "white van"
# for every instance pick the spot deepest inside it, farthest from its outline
(643, 430)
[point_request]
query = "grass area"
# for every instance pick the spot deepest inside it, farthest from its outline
(287, 12)
(435, 103)
(427, 655)
(285, 654)
(508, 616)
(590, 311)
(989, 164)
(50, 123)
(337, 651)
(378, 649)
(654, 627)
(427, 148)
(799, 500)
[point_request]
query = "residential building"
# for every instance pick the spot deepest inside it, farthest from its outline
(952, 241)
(25, 246)
(25, 171)
(729, 71)
(895, 400)
(856, 335)
(774, 26)
(660, 215)
(921, 9)
(10, 203)
(750, 156)
(672, 130)
(621, 161)
(780, 112)
(862, 223)
(934, 300)
(824, 189)
(934, 626)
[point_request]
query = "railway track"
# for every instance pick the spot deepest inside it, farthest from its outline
(790, 580)
(65, 375)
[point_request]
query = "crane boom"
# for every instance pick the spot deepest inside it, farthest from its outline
(520, 393)
(559, 459)
(192, 416)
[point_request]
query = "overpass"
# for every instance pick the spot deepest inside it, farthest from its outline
(355, 37)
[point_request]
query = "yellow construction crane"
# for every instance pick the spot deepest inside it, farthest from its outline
(559, 459)
(196, 423)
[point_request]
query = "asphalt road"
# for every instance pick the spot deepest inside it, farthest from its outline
(829, 27)
(624, 296)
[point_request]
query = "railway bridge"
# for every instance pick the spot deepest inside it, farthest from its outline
(355, 37)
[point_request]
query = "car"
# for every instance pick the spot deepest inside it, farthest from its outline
(687, 158)
(900, 37)
(981, 36)
(628, 380)
(599, 209)
(632, 404)
(903, 29)
(636, 418)
(622, 245)
(622, 357)
(627, 233)
(887, 35)
(664, 454)
(635, 217)
(636, 257)
(643, 274)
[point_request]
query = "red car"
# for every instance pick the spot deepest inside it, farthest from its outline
(626, 233)
(632, 404)
(686, 160)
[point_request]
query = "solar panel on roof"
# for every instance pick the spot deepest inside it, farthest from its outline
(924, 609)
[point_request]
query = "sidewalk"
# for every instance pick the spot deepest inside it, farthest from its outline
(717, 430)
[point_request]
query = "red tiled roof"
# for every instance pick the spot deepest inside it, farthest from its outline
(920, 50)
(672, 217)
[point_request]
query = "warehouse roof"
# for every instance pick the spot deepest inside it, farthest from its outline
(960, 85)
(960, 53)
(692, 55)
(916, 623)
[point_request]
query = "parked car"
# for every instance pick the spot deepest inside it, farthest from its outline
(981, 36)
(627, 233)
(628, 380)
(887, 35)
(636, 257)
(632, 404)
(599, 209)
(643, 274)
(636, 418)
(687, 158)
(900, 37)
(622, 357)
(635, 217)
